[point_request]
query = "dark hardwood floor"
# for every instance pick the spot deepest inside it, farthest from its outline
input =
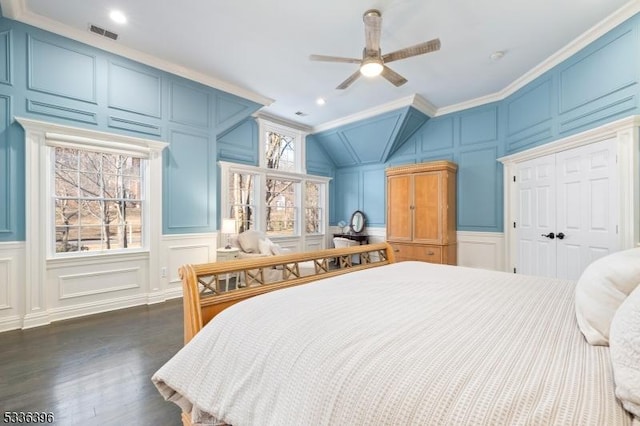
(94, 370)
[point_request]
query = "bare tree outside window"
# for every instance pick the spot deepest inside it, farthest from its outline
(280, 195)
(312, 208)
(98, 200)
(241, 200)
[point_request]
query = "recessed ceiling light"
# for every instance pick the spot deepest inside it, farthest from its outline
(497, 55)
(118, 17)
(321, 101)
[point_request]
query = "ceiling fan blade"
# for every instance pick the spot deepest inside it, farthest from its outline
(372, 24)
(395, 78)
(418, 49)
(334, 59)
(353, 77)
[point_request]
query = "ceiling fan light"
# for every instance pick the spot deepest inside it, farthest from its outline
(371, 68)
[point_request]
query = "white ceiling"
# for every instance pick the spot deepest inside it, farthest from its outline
(259, 49)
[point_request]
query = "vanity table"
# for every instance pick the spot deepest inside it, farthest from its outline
(356, 226)
(361, 238)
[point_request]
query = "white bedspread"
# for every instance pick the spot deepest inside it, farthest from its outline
(404, 344)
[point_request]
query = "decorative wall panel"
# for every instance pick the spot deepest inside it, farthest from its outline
(437, 134)
(371, 140)
(61, 71)
(134, 90)
(529, 114)
(188, 181)
(188, 105)
(98, 282)
(479, 205)
(134, 126)
(373, 199)
(582, 82)
(6, 58)
(231, 110)
(479, 125)
(60, 111)
(240, 143)
(5, 282)
(5, 167)
(347, 193)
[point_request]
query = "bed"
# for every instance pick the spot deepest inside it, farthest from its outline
(396, 343)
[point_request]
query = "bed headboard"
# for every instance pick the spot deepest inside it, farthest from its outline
(203, 299)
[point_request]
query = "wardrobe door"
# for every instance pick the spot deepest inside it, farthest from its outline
(428, 204)
(399, 207)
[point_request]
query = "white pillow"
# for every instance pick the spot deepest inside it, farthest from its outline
(264, 244)
(624, 345)
(276, 249)
(601, 289)
(248, 241)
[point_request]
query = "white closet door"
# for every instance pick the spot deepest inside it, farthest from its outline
(567, 210)
(587, 206)
(537, 217)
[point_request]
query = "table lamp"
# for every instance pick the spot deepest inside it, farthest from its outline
(228, 227)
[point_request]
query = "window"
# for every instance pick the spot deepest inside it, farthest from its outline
(281, 206)
(313, 207)
(98, 200)
(277, 197)
(242, 200)
(279, 151)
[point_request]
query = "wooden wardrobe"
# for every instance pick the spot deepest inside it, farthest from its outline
(421, 211)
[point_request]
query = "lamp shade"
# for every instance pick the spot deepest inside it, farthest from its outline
(228, 226)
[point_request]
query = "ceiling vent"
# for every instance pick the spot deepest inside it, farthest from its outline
(103, 32)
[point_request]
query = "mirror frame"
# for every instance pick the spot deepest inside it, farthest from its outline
(355, 214)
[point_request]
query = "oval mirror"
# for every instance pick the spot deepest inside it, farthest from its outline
(357, 221)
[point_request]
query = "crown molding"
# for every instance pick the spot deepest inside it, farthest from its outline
(414, 100)
(282, 121)
(18, 11)
(598, 30)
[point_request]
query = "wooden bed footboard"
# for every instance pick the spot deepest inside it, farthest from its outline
(203, 299)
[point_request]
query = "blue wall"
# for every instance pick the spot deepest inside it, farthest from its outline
(597, 85)
(50, 78)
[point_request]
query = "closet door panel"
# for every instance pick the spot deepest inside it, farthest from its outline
(399, 212)
(428, 208)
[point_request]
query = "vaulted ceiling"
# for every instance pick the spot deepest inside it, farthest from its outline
(260, 49)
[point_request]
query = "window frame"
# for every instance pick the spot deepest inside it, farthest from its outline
(226, 168)
(298, 136)
(55, 142)
(39, 136)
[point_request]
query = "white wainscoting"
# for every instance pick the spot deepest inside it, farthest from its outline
(76, 287)
(177, 250)
(481, 250)
(11, 294)
(475, 249)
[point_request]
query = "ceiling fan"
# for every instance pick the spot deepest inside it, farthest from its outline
(373, 62)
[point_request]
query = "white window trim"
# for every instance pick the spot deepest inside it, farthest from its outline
(37, 183)
(299, 138)
(226, 168)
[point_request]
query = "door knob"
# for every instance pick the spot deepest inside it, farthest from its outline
(560, 235)
(551, 235)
